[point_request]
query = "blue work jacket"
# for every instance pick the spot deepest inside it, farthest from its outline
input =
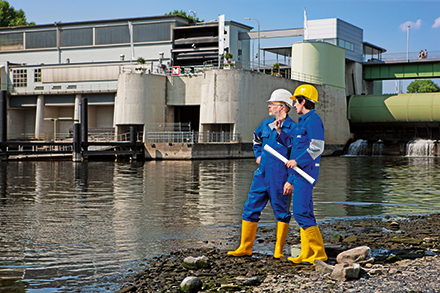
(306, 145)
(266, 134)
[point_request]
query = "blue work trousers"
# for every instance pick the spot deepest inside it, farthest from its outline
(302, 203)
(266, 188)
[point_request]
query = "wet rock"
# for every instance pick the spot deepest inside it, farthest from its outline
(332, 250)
(354, 255)
(255, 281)
(394, 226)
(195, 263)
(336, 238)
(350, 239)
(345, 271)
(191, 285)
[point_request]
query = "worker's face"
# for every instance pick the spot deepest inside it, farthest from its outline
(299, 107)
(275, 108)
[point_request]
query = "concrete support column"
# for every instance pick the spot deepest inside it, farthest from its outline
(77, 110)
(39, 116)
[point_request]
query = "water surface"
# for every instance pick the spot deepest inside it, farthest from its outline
(84, 226)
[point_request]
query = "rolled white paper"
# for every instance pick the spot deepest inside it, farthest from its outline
(283, 159)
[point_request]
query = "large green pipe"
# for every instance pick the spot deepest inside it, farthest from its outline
(394, 108)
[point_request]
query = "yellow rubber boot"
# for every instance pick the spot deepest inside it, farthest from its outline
(248, 232)
(282, 229)
(316, 244)
(305, 248)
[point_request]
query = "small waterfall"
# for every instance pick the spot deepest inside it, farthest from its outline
(377, 148)
(358, 148)
(420, 148)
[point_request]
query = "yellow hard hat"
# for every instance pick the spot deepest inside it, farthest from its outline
(308, 91)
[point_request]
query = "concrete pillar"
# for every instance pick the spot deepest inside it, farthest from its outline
(39, 116)
(77, 110)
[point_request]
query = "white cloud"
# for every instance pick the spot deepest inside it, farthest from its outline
(413, 25)
(436, 23)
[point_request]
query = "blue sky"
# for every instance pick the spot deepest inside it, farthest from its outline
(383, 22)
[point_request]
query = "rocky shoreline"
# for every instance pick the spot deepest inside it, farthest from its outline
(406, 252)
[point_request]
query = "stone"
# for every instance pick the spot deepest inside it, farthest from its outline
(195, 263)
(191, 285)
(255, 281)
(350, 239)
(345, 271)
(323, 267)
(354, 255)
(336, 238)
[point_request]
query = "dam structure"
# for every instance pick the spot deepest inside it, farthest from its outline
(164, 81)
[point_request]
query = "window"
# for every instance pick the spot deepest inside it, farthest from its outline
(112, 35)
(37, 75)
(19, 77)
(152, 32)
(76, 37)
(11, 41)
(345, 45)
(41, 39)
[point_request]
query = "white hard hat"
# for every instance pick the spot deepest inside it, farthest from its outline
(281, 95)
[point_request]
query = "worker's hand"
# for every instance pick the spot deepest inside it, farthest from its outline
(258, 160)
(288, 188)
(277, 123)
(291, 164)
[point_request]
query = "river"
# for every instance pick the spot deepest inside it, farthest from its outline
(83, 227)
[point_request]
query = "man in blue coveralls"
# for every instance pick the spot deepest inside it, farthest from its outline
(270, 179)
(306, 147)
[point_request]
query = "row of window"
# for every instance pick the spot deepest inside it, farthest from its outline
(19, 77)
(340, 43)
(89, 36)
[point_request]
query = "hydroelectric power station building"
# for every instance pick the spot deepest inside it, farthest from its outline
(182, 96)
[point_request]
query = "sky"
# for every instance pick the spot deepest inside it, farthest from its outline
(384, 22)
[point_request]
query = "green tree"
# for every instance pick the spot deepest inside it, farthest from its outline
(11, 17)
(183, 13)
(422, 86)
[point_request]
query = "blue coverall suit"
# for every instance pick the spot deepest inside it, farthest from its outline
(306, 147)
(271, 175)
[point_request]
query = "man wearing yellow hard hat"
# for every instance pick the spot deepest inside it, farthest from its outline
(307, 145)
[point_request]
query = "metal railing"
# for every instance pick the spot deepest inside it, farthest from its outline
(192, 137)
(412, 56)
(306, 77)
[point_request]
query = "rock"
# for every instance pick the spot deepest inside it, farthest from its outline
(295, 250)
(345, 271)
(332, 250)
(336, 238)
(230, 288)
(323, 267)
(255, 281)
(195, 263)
(350, 239)
(191, 284)
(394, 226)
(354, 255)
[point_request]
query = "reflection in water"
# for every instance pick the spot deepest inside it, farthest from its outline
(65, 225)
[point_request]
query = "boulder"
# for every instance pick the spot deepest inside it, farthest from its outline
(354, 255)
(345, 271)
(195, 263)
(191, 285)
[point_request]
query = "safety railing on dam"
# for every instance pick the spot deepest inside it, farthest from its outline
(193, 137)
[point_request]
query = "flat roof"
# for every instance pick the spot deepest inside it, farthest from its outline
(283, 51)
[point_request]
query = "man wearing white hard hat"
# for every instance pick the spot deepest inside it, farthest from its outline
(270, 179)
